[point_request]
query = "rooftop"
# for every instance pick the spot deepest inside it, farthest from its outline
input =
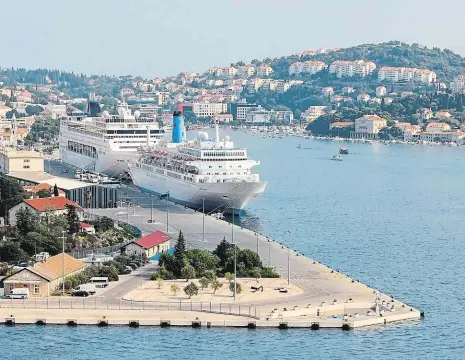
(53, 203)
(52, 268)
(43, 177)
(154, 239)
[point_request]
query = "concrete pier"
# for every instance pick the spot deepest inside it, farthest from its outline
(327, 294)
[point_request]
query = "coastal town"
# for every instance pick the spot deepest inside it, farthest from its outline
(365, 100)
(79, 233)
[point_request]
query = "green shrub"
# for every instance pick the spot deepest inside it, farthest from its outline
(268, 272)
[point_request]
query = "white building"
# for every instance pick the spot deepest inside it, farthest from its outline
(458, 84)
(264, 70)
(223, 118)
(313, 112)
(206, 109)
(352, 68)
(403, 74)
(55, 111)
(368, 126)
(363, 97)
(43, 207)
(307, 67)
(381, 91)
(246, 71)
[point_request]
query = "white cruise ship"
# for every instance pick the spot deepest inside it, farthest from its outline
(106, 143)
(202, 172)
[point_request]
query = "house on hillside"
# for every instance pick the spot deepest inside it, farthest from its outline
(150, 245)
(44, 206)
(45, 277)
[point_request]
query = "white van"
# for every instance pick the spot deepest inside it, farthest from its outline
(90, 288)
(100, 282)
(19, 293)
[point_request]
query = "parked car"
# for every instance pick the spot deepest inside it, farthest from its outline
(90, 288)
(79, 293)
(127, 270)
(18, 293)
(100, 282)
(133, 265)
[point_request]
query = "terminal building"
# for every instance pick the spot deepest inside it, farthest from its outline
(28, 168)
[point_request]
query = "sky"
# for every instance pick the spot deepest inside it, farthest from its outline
(156, 38)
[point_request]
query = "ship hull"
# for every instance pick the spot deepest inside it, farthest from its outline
(112, 164)
(218, 197)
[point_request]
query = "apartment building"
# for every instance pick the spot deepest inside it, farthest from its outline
(368, 126)
(313, 112)
(206, 109)
(306, 67)
(458, 84)
(241, 109)
(404, 74)
(264, 70)
(352, 68)
(246, 71)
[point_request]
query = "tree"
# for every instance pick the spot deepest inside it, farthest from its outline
(11, 252)
(188, 272)
(215, 285)
(228, 276)
(11, 194)
(33, 109)
(204, 282)
(174, 288)
(191, 290)
(256, 273)
(72, 219)
(55, 191)
(26, 221)
(43, 194)
(459, 106)
(222, 251)
(167, 261)
(201, 260)
(238, 287)
(159, 281)
(210, 275)
(179, 255)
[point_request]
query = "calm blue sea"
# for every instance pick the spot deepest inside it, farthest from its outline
(391, 216)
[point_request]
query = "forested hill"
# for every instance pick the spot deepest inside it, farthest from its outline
(445, 63)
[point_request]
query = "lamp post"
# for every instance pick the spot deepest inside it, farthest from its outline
(269, 253)
(203, 219)
(151, 207)
(288, 257)
(167, 212)
(258, 250)
(235, 254)
(63, 263)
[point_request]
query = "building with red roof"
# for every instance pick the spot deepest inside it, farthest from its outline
(150, 245)
(53, 205)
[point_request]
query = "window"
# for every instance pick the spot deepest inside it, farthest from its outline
(36, 289)
(26, 167)
(26, 160)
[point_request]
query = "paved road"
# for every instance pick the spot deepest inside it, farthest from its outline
(317, 281)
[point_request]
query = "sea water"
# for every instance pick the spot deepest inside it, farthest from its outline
(391, 216)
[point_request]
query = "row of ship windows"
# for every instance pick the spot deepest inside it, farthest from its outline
(238, 159)
(226, 153)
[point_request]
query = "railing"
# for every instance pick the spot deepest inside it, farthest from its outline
(108, 304)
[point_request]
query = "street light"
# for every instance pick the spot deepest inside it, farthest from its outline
(288, 257)
(203, 219)
(63, 263)
(258, 250)
(235, 255)
(167, 212)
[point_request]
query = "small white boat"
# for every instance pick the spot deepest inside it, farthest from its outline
(337, 158)
(299, 146)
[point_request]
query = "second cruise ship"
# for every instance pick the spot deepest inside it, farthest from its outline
(106, 143)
